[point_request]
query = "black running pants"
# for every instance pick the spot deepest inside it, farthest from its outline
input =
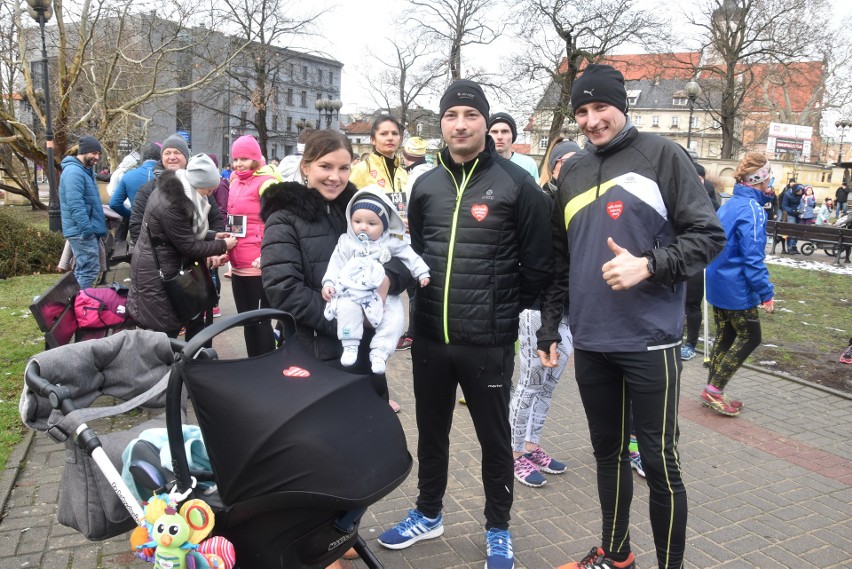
(608, 383)
(485, 376)
(249, 295)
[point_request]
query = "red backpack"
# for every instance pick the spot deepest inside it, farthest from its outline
(100, 307)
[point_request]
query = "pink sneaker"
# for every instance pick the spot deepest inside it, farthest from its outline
(545, 462)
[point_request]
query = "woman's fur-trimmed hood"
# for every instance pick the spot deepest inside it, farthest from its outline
(304, 202)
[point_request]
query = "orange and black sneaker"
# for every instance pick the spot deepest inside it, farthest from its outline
(597, 559)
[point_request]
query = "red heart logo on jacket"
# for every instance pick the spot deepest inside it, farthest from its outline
(479, 211)
(381, 183)
(295, 371)
(614, 209)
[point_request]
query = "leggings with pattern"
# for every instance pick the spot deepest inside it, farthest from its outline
(532, 396)
(737, 335)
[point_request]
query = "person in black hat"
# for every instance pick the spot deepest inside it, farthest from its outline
(83, 220)
(631, 223)
(504, 131)
(480, 223)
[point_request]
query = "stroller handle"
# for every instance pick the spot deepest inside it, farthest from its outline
(194, 346)
(58, 395)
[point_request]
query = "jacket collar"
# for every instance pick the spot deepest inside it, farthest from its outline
(302, 201)
(485, 158)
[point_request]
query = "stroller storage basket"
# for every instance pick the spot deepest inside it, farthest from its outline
(299, 449)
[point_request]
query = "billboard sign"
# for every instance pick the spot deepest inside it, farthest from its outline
(790, 139)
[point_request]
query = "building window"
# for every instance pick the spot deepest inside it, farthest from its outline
(289, 124)
(243, 119)
(655, 121)
(303, 99)
(305, 72)
(679, 101)
(275, 123)
(675, 122)
(292, 70)
(694, 122)
(331, 77)
(289, 96)
(319, 95)
(542, 144)
(637, 120)
(716, 124)
(275, 151)
(633, 96)
(319, 75)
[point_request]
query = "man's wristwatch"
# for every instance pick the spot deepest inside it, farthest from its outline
(652, 263)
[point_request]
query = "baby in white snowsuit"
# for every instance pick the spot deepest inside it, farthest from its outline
(355, 272)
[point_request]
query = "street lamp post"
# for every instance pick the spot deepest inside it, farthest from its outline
(693, 90)
(842, 125)
(302, 124)
(327, 108)
(41, 11)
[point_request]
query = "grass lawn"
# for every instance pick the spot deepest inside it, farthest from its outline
(20, 338)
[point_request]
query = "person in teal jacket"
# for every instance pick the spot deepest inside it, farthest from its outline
(83, 221)
(738, 281)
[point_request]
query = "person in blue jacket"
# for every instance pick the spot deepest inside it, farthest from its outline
(738, 281)
(83, 221)
(135, 179)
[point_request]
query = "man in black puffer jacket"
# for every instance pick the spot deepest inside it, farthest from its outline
(479, 221)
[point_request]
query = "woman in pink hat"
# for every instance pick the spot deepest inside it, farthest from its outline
(251, 176)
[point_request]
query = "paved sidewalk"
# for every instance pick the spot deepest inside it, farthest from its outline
(769, 489)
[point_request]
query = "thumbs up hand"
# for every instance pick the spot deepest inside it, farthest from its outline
(624, 270)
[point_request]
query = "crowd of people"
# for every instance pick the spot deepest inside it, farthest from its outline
(599, 257)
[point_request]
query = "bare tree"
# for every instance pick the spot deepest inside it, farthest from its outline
(749, 46)
(106, 64)
(268, 26)
(409, 73)
(455, 24)
(562, 36)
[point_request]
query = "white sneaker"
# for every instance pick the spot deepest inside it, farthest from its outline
(350, 355)
(378, 365)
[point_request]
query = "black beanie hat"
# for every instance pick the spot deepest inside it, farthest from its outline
(601, 84)
(88, 144)
(506, 118)
(464, 93)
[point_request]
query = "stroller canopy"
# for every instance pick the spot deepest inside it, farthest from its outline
(285, 423)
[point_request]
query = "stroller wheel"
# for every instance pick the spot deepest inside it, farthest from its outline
(807, 249)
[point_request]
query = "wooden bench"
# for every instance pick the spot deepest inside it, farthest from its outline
(829, 237)
(54, 314)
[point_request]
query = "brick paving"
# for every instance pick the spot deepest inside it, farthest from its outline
(769, 489)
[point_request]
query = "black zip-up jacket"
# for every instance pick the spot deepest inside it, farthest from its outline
(482, 227)
(300, 234)
(643, 191)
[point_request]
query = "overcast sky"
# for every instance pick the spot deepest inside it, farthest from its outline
(352, 29)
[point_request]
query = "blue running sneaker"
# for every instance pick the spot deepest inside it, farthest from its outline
(498, 544)
(636, 463)
(687, 352)
(411, 530)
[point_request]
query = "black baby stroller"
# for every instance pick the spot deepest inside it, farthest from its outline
(299, 450)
